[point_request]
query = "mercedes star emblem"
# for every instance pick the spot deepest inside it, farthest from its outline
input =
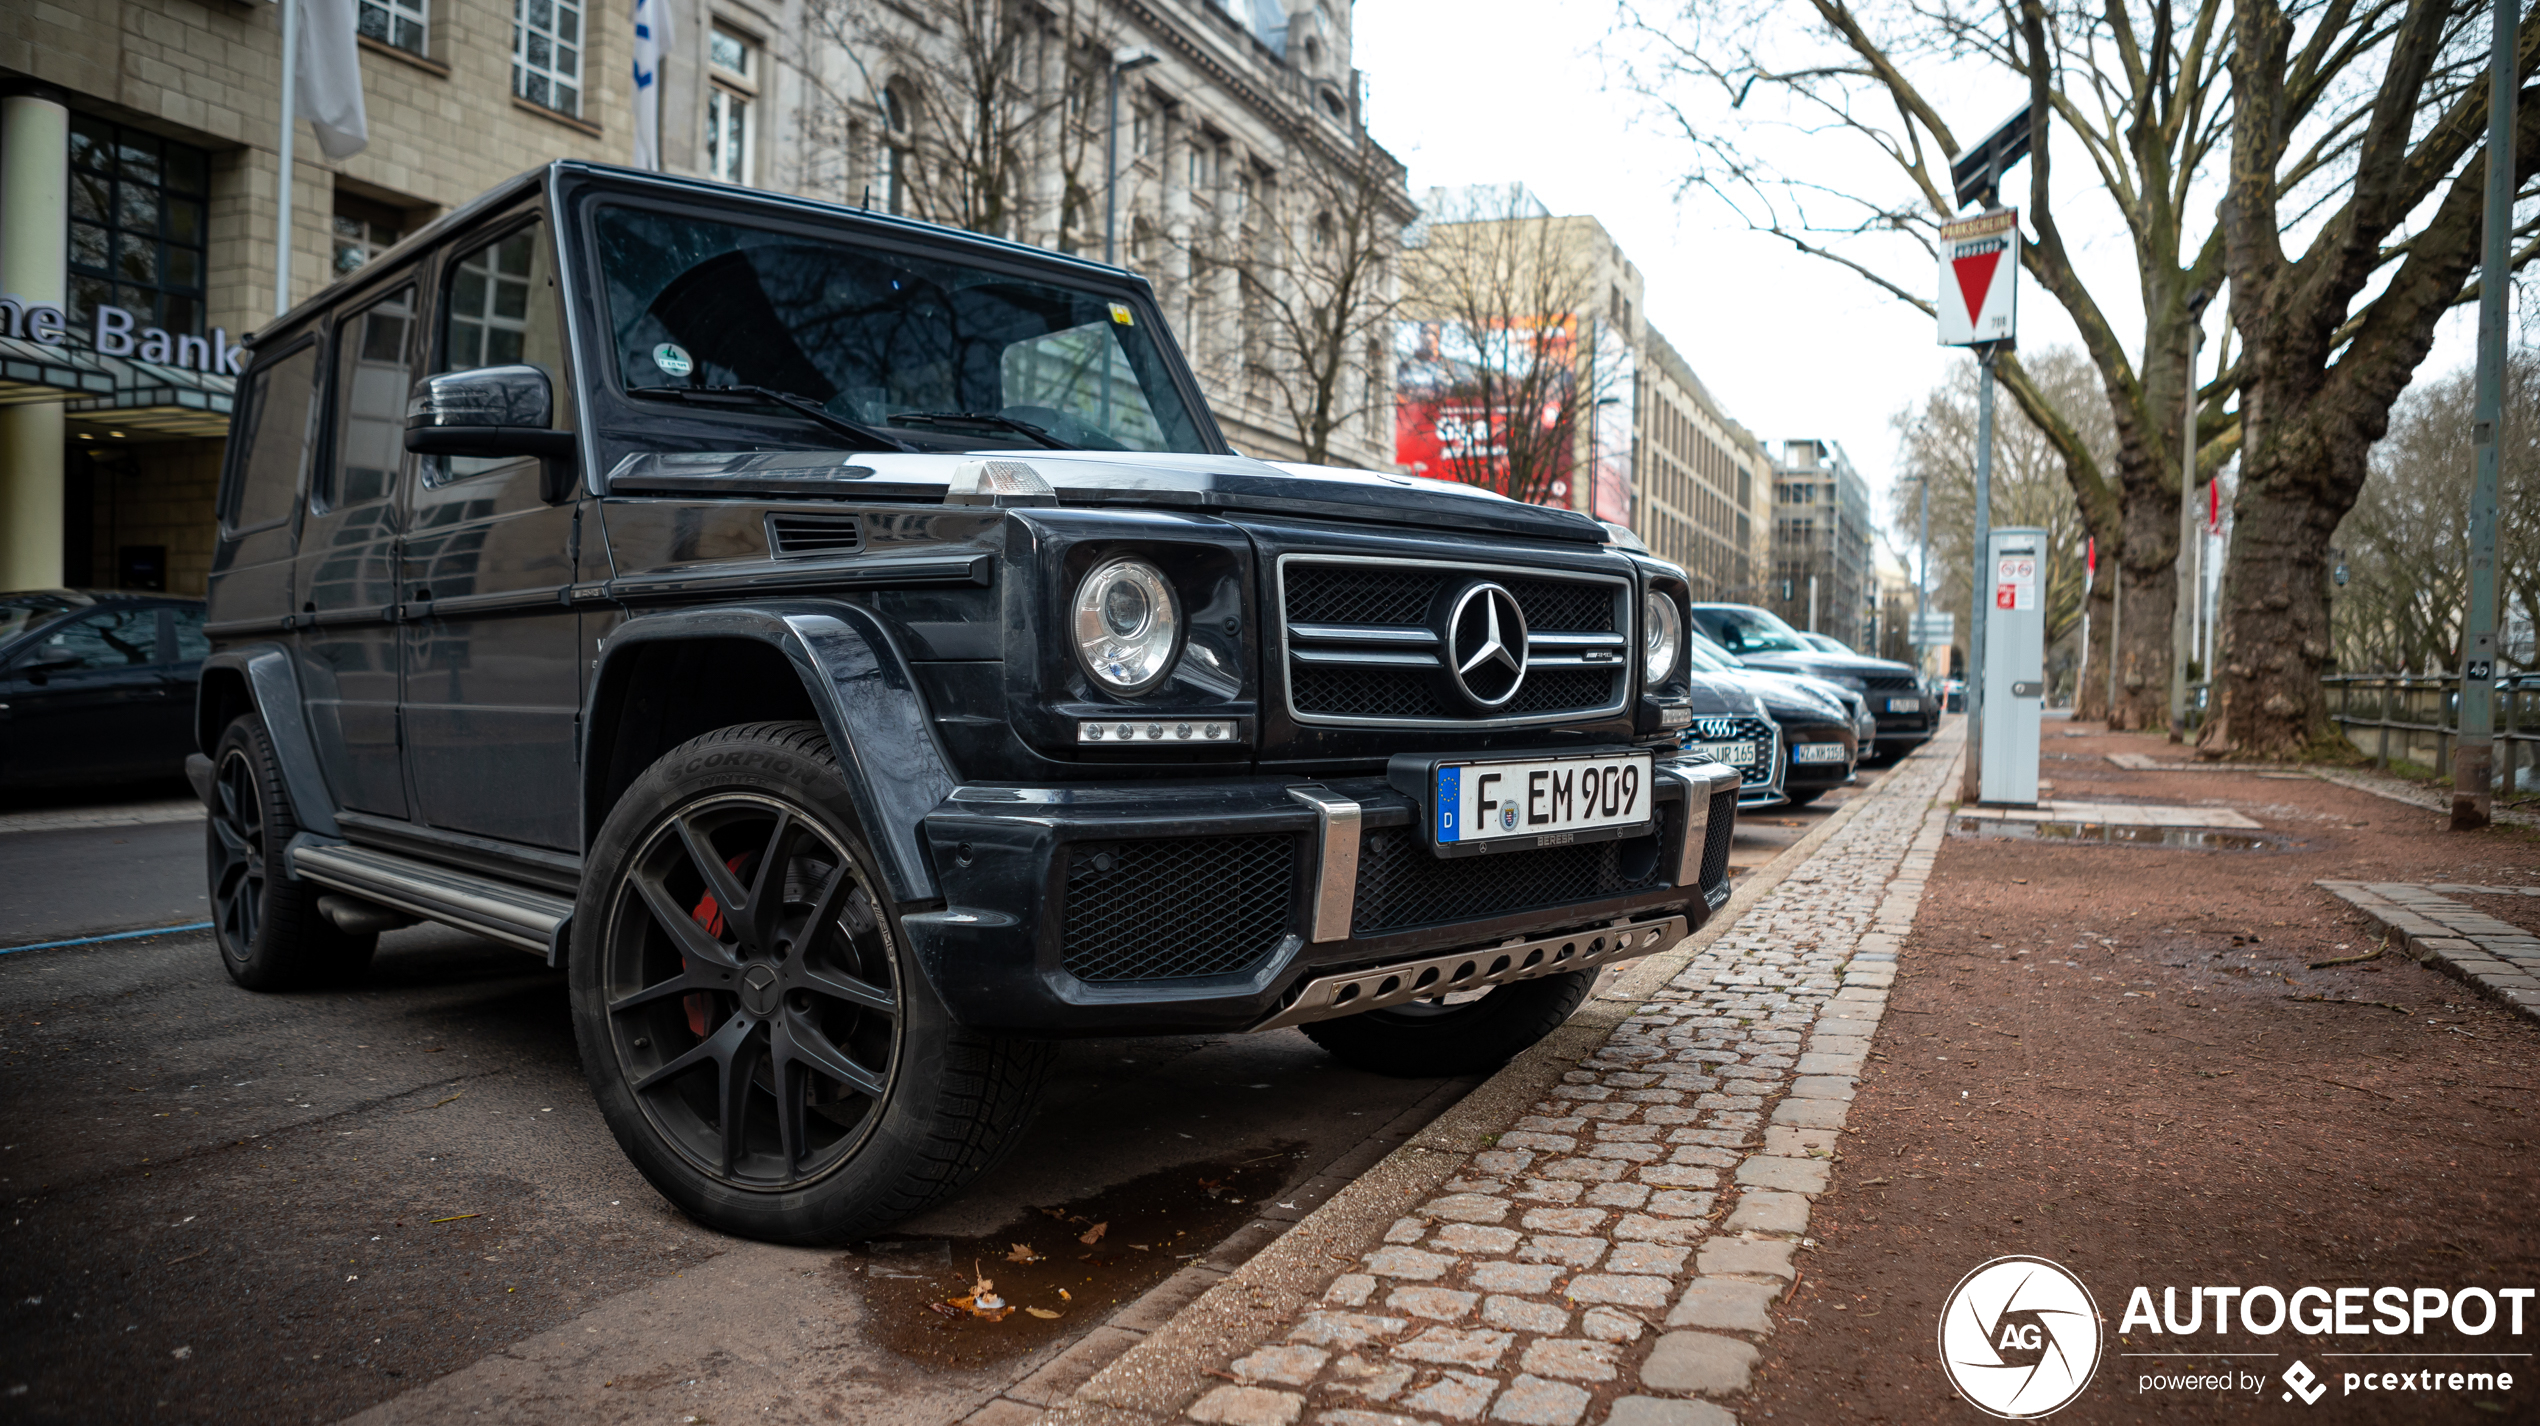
(1486, 645)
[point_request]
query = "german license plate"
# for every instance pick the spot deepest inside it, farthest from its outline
(1740, 755)
(1540, 797)
(1817, 753)
(1904, 705)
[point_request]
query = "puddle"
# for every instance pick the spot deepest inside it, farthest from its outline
(1153, 1226)
(2201, 839)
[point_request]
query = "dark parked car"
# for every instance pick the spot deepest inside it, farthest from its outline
(1907, 713)
(850, 649)
(96, 686)
(1817, 722)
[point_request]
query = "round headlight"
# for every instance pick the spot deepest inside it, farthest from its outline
(1662, 636)
(1127, 625)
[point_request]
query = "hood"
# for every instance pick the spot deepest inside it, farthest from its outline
(1151, 480)
(1825, 665)
(1721, 695)
(1787, 700)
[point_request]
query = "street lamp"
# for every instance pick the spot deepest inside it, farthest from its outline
(1123, 60)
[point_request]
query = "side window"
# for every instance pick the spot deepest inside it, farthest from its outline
(274, 441)
(374, 368)
(192, 643)
(109, 639)
(499, 309)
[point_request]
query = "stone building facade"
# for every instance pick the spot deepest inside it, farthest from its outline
(139, 160)
(1702, 482)
(1822, 539)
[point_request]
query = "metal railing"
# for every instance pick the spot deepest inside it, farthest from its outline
(2415, 718)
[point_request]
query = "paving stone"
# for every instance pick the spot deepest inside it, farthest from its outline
(1549, 1143)
(1811, 1113)
(1814, 1063)
(1343, 1329)
(1457, 1396)
(1585, 1170)
(1517, 1314)
(1680, 1176)
(1726, 1303)
(1515, 1277)
(1607, 1325)
(1646, 1257)
(1504, 1163)
(1438, 1304)
(1467, 1208)
(1701, 1154)
(1532, 1401)
(1765, 1211)
(1248, 1406)
(1475, 1238)
(1570, 1359)
(1546, 1191)
(1821, 1087)
(1792, 1142)
(1375, 1380)
(1288, 1366)
(1789, 1175)
(1699, 1361)
(1350, 1290)
(1348, 1417)
(1615, 1288)
(1408, 1262)
(1753, 1257)
(1649, 1411)
(1564, 1220)
(1457, 1346)
(1678, 1203)
(1570, 1252)
(1629, 1152)
(1618, 1195)
(1407, 1230)
(1643, 1228)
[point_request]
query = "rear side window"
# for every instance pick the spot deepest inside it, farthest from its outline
(374, 365)
(115, 638)
(191, 642)
(273, 441)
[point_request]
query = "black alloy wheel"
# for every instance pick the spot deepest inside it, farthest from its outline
(272, 935)
(750, 1012)
(751, 992)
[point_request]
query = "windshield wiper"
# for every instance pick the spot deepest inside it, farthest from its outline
(874, 437)
(990, 419)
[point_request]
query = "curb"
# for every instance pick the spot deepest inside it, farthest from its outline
(2499, 961)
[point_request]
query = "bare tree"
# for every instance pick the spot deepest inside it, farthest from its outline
(1845, 155)
(1318, 283)
(1937, 439)
(2363, 126)
(2399, 610)
(1504, 352)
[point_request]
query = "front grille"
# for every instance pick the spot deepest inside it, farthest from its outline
(1176, 908)
(1892, 683)
(793, 536)
(1402, 884)
(1715, 846)
(1758, 731)
(1390, 610)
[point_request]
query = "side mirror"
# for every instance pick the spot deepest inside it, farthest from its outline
(491, 412)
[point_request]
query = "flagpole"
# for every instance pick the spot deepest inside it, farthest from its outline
(282, 219)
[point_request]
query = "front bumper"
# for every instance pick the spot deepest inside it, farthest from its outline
(1207, 908)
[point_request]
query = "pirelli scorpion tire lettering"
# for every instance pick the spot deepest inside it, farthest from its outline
(748, 1013)
(272, 935)
(1454, 1035)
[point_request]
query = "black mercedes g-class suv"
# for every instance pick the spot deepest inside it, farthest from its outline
(849, 648)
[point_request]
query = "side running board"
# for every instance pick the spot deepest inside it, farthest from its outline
(534, 921)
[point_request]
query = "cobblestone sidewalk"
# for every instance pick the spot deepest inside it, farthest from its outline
(1610, 1253)
(2496, 957)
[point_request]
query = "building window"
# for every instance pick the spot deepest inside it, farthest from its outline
(547, 54)
(899, 120)
(136, 238)
(363, 230)
(489, 303)
(733, 61)
(1141, 131)
(400, 23)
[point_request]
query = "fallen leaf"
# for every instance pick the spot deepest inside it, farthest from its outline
(944, 1309)
(983, 1286)
(1022, 1253)
(1042, 1312)
(1063, 1297)
(1093, 1235)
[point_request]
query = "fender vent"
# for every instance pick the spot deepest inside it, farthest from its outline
(795, 536)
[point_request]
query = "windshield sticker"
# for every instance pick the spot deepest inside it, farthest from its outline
(672, 358)
(1121, 314)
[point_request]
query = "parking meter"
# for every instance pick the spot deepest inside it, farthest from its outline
(2014, 664)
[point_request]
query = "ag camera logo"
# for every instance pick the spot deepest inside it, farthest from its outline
(2019, 1338)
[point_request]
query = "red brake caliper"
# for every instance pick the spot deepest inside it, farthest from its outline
(709, 915)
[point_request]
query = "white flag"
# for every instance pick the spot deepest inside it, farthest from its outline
(652, 41)
(330, 79)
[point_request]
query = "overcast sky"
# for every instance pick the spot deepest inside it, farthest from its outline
(1490, 91)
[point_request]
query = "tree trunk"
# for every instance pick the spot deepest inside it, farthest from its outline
(2090, 698)
(2151, 592)
(2274, 637)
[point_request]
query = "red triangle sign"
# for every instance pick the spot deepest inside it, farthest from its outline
(1975, 278)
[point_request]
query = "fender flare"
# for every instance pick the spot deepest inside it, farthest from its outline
(867, 702)
(273, 688)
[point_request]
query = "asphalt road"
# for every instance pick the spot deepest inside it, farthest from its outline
(215, 1203)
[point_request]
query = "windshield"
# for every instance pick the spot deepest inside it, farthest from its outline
(21, 612)
(872, 335)
(1744, 630)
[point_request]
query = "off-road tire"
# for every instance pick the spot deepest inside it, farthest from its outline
(1425, 1040)
(271, 934)
(951, 1101)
